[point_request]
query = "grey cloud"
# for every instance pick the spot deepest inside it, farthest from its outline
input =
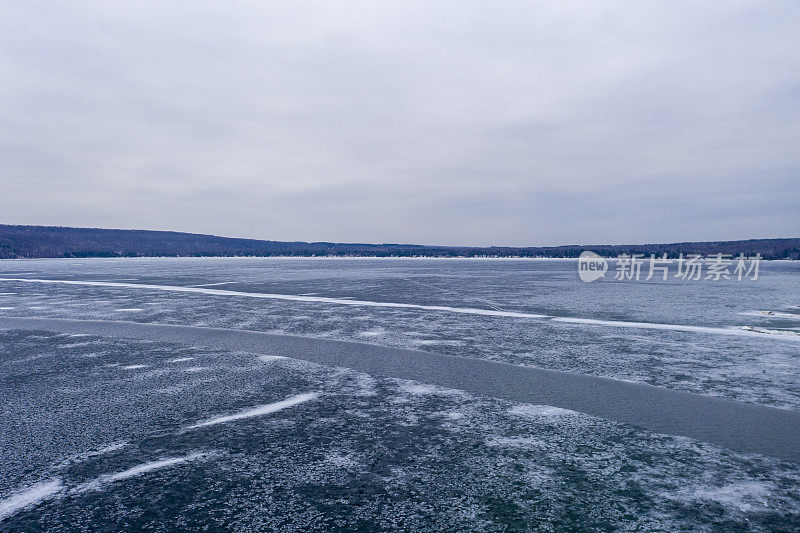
(442, 123)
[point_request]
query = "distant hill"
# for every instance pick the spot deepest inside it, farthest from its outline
(54, 241)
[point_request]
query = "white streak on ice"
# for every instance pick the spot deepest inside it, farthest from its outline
(258, 411)
(80, 457)
(134, 367)
(180, 360)
(540, 411)
(397, 305)
(772, 314)
(29, 497)
(270, 358)
(138, 470)
(287, 297)
(376, 332)
(774, 332)
(668, 327)
(149, 467)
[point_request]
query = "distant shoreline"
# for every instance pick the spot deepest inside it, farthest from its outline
(339, 257)
(40, 242)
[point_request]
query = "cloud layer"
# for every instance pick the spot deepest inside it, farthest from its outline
(435, 122)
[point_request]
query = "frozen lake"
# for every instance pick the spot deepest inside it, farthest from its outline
(101, 431)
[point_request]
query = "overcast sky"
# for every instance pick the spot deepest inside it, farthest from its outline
(433, 122)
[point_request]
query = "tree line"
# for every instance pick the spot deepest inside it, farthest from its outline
(54, 241)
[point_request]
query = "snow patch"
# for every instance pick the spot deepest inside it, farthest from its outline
(743, 496)
(772, 314)
(423, 389)
(260, 410)
(180, 360)
(29, 497)
(270, 358)
(92, 453)
(516, 442)
(75, 345)
(138, 470)
(365, 385)
(540, 411)
(376, 332)
(342, 461)
(774, 332)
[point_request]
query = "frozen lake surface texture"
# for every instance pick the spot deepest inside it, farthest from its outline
(410, 394)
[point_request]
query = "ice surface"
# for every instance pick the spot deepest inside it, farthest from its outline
(398, 305)
(376, 451)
